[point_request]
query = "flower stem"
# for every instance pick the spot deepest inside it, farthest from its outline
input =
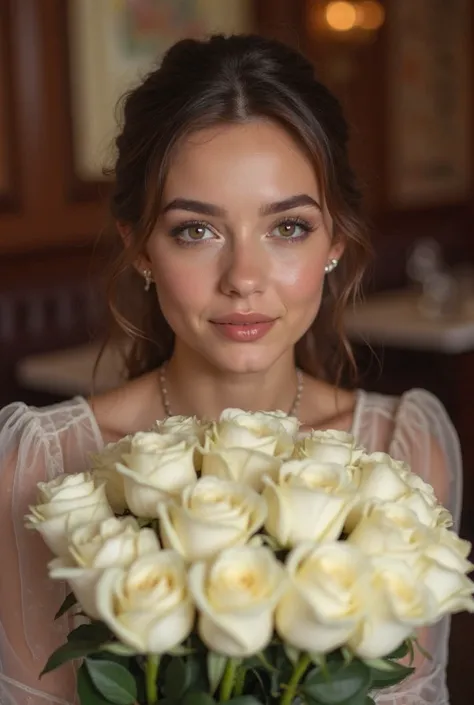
(240, 681)
(296, 676)
(228, 680)
(152, 665)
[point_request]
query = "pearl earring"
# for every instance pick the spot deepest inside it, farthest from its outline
(148, 279)
(331, 266)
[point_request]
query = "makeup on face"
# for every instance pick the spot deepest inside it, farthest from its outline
(239, 250)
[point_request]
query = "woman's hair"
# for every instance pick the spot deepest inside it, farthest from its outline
(201, 84)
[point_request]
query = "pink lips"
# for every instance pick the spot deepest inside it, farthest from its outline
(244, 327)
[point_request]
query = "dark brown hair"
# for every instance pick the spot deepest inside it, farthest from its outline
(230, 80)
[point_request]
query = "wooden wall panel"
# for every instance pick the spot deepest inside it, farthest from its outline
(48, 216)
(9, 195)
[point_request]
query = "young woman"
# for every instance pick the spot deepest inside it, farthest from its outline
(242, 244)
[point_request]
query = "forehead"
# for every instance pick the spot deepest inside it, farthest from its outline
(257, 160)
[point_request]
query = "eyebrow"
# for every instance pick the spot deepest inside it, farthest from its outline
(186, 204)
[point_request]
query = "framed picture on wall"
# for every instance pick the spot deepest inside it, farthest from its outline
(113, 43)
(429, 101)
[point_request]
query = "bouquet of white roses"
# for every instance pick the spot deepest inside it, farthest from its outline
(242, 561)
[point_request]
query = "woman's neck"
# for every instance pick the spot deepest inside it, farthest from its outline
(194, 387)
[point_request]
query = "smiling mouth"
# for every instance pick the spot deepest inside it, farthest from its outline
(243, 319)
(240, 330)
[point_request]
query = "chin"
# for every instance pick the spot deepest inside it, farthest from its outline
(249, 359)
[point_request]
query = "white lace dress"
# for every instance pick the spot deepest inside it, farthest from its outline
(37, 444)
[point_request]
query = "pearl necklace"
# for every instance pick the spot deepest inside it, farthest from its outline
(166, 401)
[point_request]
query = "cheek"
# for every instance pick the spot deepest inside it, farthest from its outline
(179, 286)
(300, 279)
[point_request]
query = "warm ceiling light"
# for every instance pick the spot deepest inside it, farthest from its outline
(341, 16)
(370, 15)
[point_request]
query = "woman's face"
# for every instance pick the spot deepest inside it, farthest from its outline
(239, 250)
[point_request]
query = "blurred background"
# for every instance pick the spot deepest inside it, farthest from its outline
(404, 71)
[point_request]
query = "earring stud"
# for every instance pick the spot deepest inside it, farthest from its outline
(331, 266)
(148, 279)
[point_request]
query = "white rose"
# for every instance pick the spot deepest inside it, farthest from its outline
(94, 547)
(240, 465)
(441, 516)
(183, 426)
(212, 515)
(147, 604)
(391, 528)
(157, 467)
(325, 601)
(310, 502)
(236, 596)
(65, 503)
(103, 468)
(329, 447)
(384, 479)
(451, 541)
(290, 424)
(261, 431)
(379, 478)
(397, 603)
(442, 568)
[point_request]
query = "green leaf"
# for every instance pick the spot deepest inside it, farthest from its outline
(181, 651)
(180, 676)
(244, 700)
(95, 633)
(69, 601)
(341, 684)
(68, 652)
(114, 682)
(388, 673)
(216, 664)
(196, 698)
(88, 695)
(115, 647)
(380, 664)
(402, 651)
(175, 679)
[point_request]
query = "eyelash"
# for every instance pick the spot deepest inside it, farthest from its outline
(177, 232)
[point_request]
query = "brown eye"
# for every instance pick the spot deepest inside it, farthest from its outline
(287, 229)
(290, 230)
(193, 233)
(196, 232)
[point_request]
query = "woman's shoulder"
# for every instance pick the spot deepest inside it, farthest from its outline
(415, 427)
(25, 428)
(52, 419)
(416, 406)
(47, 440)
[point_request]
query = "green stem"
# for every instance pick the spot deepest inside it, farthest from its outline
(296, 676)
(152, 665)
(240, 681)
(228, 680)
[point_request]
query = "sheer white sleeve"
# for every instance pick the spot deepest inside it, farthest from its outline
(417, 429)
(35, 445)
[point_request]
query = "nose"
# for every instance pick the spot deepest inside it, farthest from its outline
(245, 270)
